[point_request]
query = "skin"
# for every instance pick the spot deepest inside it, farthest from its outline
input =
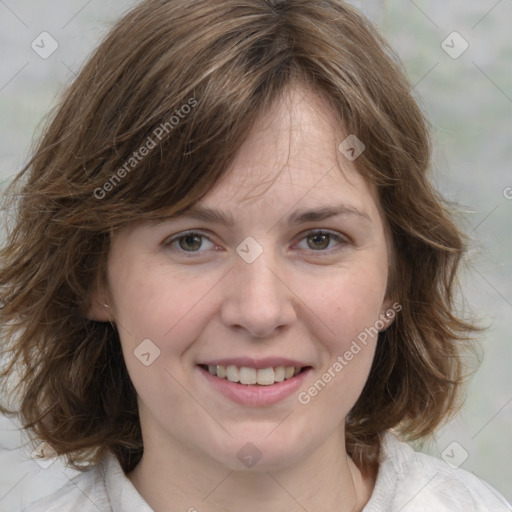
(304, 297)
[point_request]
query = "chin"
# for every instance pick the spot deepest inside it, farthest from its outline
(261, 452)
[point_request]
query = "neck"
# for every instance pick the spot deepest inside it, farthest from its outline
(179, 479)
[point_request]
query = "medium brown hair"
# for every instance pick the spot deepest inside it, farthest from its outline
(229, 60)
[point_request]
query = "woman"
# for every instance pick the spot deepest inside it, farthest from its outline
(229, 283)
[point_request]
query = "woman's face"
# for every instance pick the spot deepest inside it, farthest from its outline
(261, 281)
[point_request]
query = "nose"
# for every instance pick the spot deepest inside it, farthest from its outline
(259, 297)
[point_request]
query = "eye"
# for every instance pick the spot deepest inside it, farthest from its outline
(319, 240)
(189, 242)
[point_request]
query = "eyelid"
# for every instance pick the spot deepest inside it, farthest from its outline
(321, 231)
(173, 238)
(341, 238)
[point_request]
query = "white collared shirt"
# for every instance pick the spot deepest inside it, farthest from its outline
(407, 481)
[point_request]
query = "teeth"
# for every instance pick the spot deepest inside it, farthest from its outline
(266, 376)
(251, 376)
(279, 374)
(232, 373)
(248, 375)
(289, 372)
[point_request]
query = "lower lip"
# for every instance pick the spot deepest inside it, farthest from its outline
(255, 395)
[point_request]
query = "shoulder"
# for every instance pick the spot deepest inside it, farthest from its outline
(103, 487)
(412, 482)
(84, 492)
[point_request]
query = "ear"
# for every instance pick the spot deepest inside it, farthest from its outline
(390, 309)
(97, 307)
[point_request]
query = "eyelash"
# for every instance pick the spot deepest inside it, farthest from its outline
(342, 241)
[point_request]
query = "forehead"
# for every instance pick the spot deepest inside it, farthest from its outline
(292, 156)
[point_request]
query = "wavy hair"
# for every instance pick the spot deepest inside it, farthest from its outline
(228, 60)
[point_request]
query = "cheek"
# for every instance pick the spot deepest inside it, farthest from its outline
(159, 314)
(351, 301)
(348, 310)
(151, 302)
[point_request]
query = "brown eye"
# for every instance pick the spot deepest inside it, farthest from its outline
(319, 241)
(191, 242)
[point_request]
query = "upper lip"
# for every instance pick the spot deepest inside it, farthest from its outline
(267, 362)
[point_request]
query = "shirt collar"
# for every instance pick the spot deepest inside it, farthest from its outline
(122, 494)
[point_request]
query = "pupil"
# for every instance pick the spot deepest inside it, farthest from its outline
(189, 241)
(321, 238)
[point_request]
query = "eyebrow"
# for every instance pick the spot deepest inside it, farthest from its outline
(300, 216)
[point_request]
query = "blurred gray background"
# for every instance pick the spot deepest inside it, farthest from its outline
(458, 56)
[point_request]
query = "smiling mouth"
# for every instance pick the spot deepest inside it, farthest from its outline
(254, 376)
